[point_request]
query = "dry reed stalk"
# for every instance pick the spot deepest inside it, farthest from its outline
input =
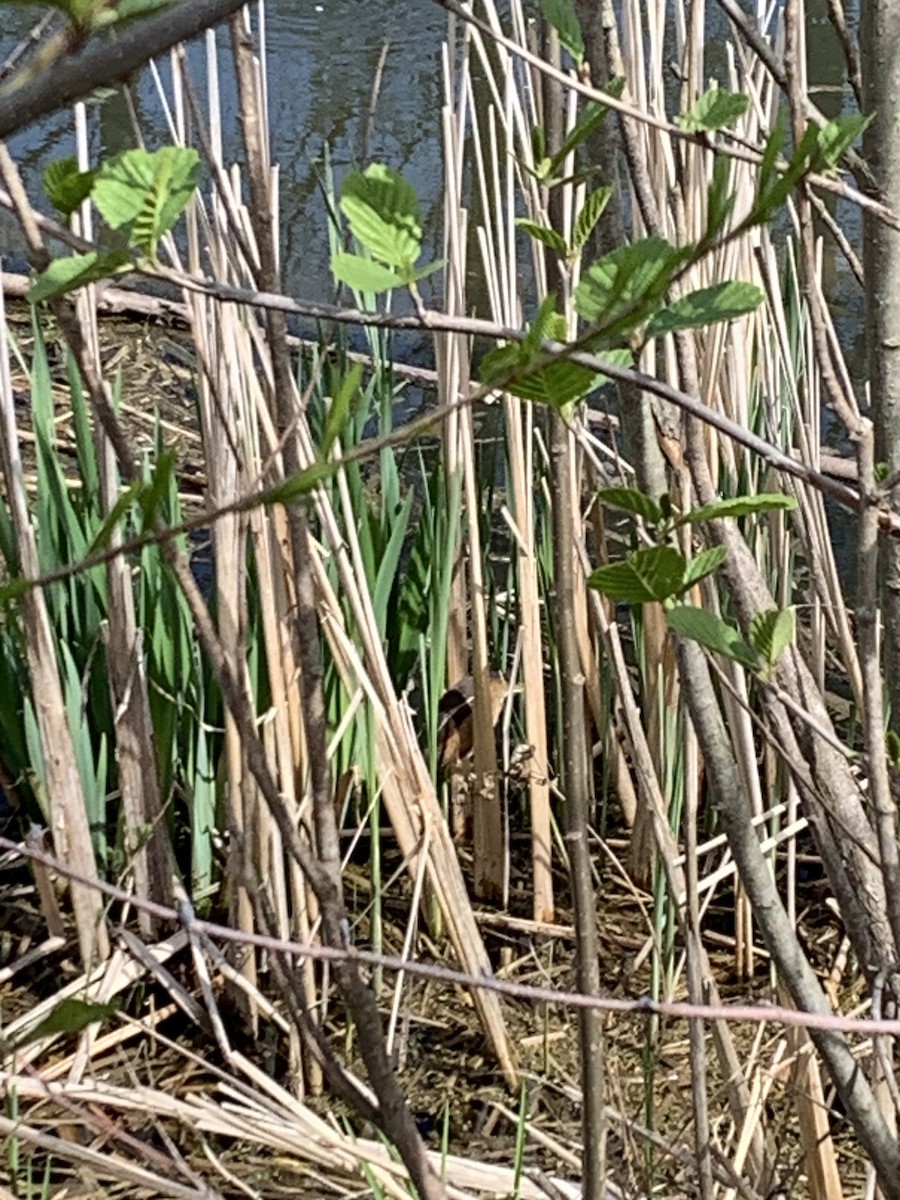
(461, 465)
(64, 798)
(497, 238)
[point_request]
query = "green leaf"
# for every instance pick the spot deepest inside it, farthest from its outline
(591, 117)
(67, 188)
(706, 306)
(839, 135)
(892, 748)
(633, 501)
(301, 484)
(364, 275)
(341, 407)
(625, 287)
(382, 210)
(739, 506)
(117, 512)
(544, 234)
(588, 216)
(719, 198)
(66, 274)
(555, 383)
(145, 194)
(771, 632)
(712, 632)
(704, 564)
(655, 573)
(69, 1016)
(715, 109)
(562, 16)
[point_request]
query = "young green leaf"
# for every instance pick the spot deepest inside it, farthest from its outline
(704, 564)
(362, 274)
(544, 234)
(301, 484)
(69, 1016)
(145, 193)
(382, 210)
(633, 501)
(720, 302)
(839, 135)
(739, 506)
(711, 631)
(715, 109)
(562, 16)
(67, 274)
(624, 288)
(719, 198)
(341, 407)
(771, 632)
(588, 216)
(67, 188)
(655, 573)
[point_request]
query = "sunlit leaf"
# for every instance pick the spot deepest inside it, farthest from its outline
(362, 274)
(655, 573)
(711, 631)
(382, 210)
(771, 632)
(740, 506)
(544, 234)
(704, 564)
(67, 274)
(721, 302)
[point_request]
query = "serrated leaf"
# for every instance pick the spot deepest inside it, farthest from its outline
(562, 16)
(655, 573)
(382, 210)
(704, 564)
(67, 188)
(740, 506)
(66, 274)
(589, 214)
(544, 234)
(362, 274)
(711, 631)
(771, 632)
(706, 306)
(715, 109)
(633, 501)
(625, 287)
(144, 193)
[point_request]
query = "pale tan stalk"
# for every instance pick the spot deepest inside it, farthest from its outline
(64, 799)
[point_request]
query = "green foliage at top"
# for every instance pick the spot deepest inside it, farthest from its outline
(140, 196)
(87, 16)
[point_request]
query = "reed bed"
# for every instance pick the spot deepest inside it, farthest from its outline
(260, 741)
